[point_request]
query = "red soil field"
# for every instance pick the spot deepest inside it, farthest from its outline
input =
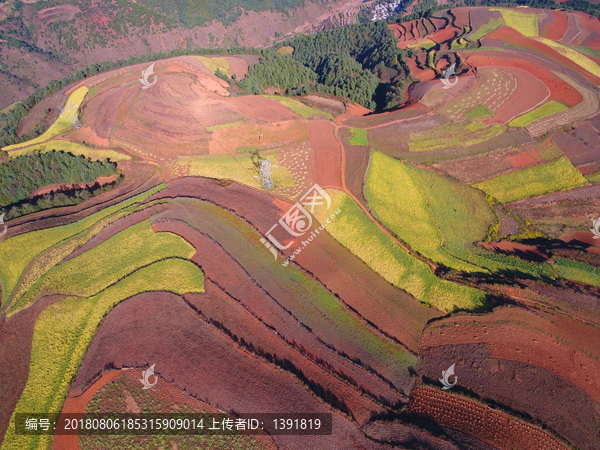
(419, 74)
(445, 35)
(235, 300)
(67, 186)
(556, 343)
(219, 304)
(559, 90)
(237, 66)
(481, 167)
(462, 16)
(574, 204)
(373, 303)
(508, 91)
(556, 26)
(205, 363)
(513, 37)
(294, 297)
(328, 153)
(528, 158)
(77, 405)
(262, 108)
(592, 26)
(492, 426)
(580, 145)
(588, 238)
(16, 335)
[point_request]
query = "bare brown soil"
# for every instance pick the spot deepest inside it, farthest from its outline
(69, 186)
(262, 108)
(328, 153)
(206, 363)
(494, 427)
(16, 335)
(580, 144)
(518, 335)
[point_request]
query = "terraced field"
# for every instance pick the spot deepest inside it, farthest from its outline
(379, 249)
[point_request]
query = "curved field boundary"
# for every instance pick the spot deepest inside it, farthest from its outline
(299, 293)
(101, 266)
(257, 323)
(533, 181)
(63, 122)
(544, 110)
(65, 329)
(555, 342)
(355, 284)
(489, 425)
(355, 231)
(587, 108)
(22, 250)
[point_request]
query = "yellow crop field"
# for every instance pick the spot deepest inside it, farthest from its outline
(19, 252)
(240, 168)
(578, 58)
(524, 23)
(354, 230)
(72, 147)
(214, 64)
(62, 123)
(554, 176)
(541, 111)
(65, 329)
(95, 270)
(299, 108)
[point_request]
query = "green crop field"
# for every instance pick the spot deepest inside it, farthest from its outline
(95, 270)
(454, 134)
(359, 137)
(486, 29)
(355, 231)
(73, 147)
(478, 112)
(553, 176)
(431, 213)
(65, 329)
(28, 256)
(577, 271)
(541, 111)
(300, 108)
